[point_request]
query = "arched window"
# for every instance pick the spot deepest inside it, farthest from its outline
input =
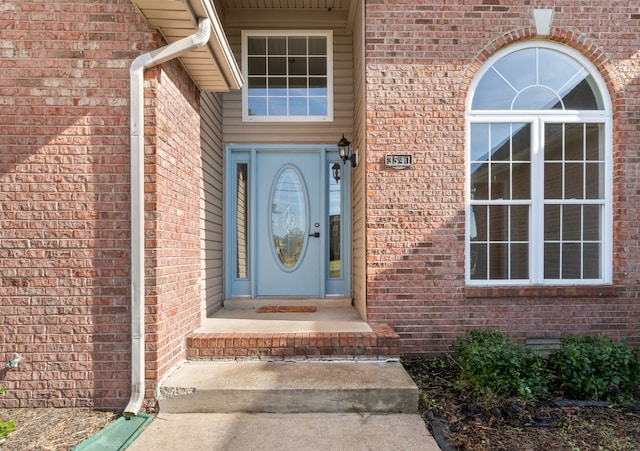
(538, 170)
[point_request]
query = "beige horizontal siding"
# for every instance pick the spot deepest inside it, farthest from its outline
(211, 202)
(236, 131)
(358, 232)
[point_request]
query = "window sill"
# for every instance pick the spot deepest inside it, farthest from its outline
(285, 119)
(538, 291)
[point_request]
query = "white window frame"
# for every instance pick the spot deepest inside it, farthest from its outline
(537, 119)
(328, 34)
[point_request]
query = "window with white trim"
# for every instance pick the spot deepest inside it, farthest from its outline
(288, 76)
(538, 170)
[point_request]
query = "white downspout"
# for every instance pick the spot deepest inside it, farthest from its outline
(139, 65)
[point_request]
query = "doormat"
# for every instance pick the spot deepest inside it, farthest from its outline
(287, 309)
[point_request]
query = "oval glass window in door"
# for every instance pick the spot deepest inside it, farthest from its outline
(288, 217)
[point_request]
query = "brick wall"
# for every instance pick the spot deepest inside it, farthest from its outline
(64, 184)
(420, 60)
(172, 193)
(64, 202)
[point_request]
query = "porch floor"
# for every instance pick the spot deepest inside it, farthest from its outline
(333, 331)
(241, 316)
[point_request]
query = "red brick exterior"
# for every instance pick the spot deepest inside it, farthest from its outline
(381, 343)
(64, 189)
(420, 60)
(64, 203)
(172, 194)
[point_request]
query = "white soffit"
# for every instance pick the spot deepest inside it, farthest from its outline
(336, 14)
(213, 66)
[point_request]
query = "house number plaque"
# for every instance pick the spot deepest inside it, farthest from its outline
(398, 161)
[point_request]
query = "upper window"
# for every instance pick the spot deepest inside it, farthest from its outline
(289, 76)
(537, 79)
(539, 170)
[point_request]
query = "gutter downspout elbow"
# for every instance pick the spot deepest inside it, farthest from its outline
(136, 105)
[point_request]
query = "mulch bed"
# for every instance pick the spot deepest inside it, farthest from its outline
(52, 429)
(546, 425)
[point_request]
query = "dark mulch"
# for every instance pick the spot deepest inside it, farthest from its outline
(513, 424)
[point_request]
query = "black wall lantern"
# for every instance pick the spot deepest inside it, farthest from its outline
(344, 147)
(336, 172)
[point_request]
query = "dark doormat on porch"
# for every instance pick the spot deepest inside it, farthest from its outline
(287, 309)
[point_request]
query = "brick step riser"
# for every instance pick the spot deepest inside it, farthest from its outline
(382, 342)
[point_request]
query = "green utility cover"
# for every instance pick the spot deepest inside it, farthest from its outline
(118, 435)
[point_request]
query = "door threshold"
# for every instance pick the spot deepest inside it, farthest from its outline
(260, 301)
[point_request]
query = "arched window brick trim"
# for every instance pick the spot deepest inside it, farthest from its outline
(572, 39)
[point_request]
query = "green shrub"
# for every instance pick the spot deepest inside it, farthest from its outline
(5, 428)
(492, 368)
(595, 368)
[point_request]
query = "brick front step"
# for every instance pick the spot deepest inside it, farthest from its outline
(381, 342)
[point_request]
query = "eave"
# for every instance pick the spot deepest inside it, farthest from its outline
(213, 66)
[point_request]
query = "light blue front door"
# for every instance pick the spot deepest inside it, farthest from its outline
(289, 231)
(287, 221)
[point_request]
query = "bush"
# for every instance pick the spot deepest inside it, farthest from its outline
(5, 428)
(595, 368)
(492, 368)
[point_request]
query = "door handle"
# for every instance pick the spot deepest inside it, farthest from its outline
(315, 235)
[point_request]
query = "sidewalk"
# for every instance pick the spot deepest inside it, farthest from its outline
(285, 432)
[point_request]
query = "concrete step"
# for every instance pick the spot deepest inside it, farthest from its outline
(289, 387)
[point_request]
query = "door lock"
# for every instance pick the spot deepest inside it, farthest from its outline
(315, 235)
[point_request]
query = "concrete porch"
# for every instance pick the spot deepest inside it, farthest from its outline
(333, 331)
(241, 315)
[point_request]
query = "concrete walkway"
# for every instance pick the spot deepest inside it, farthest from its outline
(285, 432)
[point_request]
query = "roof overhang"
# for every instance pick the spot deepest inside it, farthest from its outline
(296, 14)
(213, 66)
